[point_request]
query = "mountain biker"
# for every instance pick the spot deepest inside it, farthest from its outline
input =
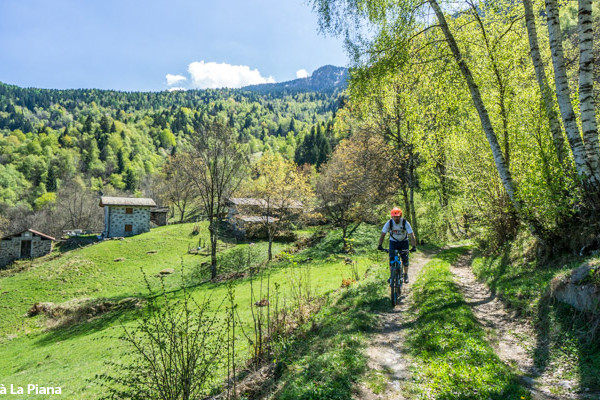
(399, 230)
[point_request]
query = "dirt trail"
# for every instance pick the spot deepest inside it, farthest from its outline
(387, 357)
(513, 341)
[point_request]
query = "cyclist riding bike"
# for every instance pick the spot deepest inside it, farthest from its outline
(400, 231)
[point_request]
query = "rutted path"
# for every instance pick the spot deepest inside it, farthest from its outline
(511, 339)
(387, 356)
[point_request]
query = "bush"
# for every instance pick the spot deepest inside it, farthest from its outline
(175, 351)
(239, 259)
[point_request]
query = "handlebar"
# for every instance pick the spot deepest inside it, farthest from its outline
(396, 251)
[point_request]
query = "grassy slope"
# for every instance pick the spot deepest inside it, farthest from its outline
(563, 341)
(69, 357)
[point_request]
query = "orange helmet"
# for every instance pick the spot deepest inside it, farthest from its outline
(396, 212)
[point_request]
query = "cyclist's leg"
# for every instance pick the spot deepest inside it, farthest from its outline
(404, 256)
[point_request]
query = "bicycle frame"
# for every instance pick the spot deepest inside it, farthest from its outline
(396, 276)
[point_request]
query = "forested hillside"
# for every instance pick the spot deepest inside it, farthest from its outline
(55, 143)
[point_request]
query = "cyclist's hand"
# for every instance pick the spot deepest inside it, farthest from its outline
(413, 249)
(380, 248)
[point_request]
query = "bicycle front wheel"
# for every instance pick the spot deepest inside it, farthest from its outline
(393, 295)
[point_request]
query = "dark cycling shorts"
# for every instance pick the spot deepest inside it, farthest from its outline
(403, 245)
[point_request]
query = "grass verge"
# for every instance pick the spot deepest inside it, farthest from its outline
(453, 359)
(564, 341)
(327, 357)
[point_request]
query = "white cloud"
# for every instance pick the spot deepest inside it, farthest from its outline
(301, 73)
(212, 75)
(175, 79)
(175, 89)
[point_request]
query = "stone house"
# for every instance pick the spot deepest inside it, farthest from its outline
(248, 214)
(26, 244)
(126, 216)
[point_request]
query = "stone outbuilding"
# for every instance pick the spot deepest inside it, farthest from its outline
(247, 216)
(159, 216)
(25, 244)
(126, 216)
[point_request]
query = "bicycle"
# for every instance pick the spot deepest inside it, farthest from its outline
(396, 275)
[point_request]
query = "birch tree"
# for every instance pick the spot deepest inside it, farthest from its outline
(586, 85)
(545, 91)
(395, 24)
(563, 94)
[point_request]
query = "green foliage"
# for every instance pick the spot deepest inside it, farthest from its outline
(240, 259)
(175, 347)
(120, 139)
(315, 147)
(48, 198)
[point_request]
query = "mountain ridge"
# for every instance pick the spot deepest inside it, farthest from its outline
(327, 78)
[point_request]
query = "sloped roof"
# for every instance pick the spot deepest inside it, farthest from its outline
(126, 201)
(257, 219)
(32, 231)
(247, 201)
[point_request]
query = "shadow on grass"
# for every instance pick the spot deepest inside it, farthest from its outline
(562, 331)
(68, 329)
(562, 335)
(77, 242)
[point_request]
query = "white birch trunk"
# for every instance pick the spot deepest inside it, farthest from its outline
(486, 123)
(540, 73)
(586, 85)
(564, 97)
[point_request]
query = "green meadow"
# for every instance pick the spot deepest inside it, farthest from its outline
(70, 355)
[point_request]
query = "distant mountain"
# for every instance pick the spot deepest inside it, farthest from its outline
(326, 79)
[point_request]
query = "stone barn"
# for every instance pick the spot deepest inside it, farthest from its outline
(126, 216)
(159, 216)
(26, 244)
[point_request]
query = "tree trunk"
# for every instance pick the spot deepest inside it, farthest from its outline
(270, 243)
(564, 96)
(213, 248)
(505, 175)
(182, 211)
(540, 73)
(586, 85)
(406, 198)
(413, 213)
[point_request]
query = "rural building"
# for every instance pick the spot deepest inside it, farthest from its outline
(159, 216)
(125, 216)
(248, 214)
(26, 244)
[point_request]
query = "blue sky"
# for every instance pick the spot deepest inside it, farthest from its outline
(155, 45)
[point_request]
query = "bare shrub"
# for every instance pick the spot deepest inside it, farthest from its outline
(175, 350)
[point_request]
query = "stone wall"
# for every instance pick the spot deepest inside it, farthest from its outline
(118, 218)
(10, 248)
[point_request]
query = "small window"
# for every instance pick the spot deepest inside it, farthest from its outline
(129, 211)
(128, 228)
